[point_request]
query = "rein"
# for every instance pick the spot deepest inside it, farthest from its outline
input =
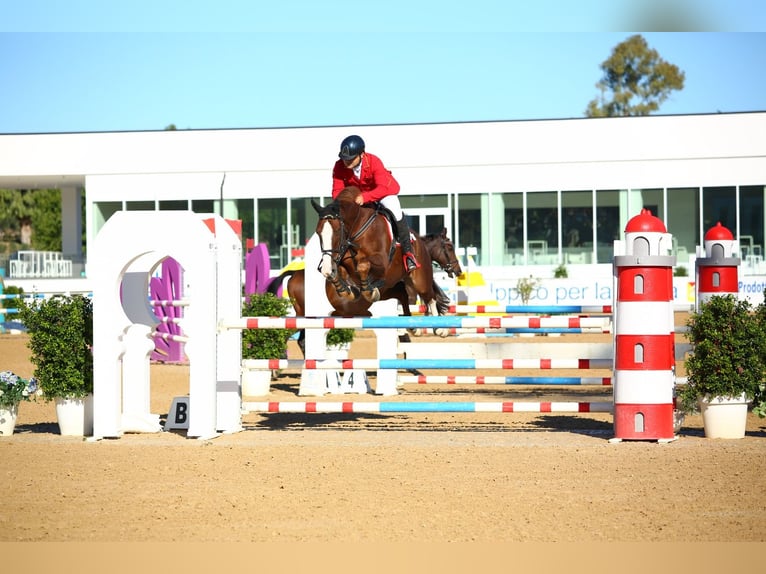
(346, 244)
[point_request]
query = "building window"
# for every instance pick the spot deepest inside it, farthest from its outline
(607, 223)
(577, 226)
(542, 227)
(751, 221)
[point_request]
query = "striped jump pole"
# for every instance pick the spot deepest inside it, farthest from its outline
(406, 364)
(536, 309)
(426, 407)
(403, 322)
(499, 380)
(518, 330)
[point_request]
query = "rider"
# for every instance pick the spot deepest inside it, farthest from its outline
(367, 172)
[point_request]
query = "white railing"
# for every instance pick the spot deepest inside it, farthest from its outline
(39, 264)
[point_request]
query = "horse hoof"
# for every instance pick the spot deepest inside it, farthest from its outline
(375, 295)
(441, 332)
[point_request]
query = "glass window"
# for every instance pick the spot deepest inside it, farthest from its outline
(542, 227)
(683, 220)
(719, 204)
(608, 228)
(751, 221)
(139, 206)
(203, 205)
(651, 199)
(177, 205)
(102, 211)
(468, 233)
(577, 226)
(514, 228)
(272, 229)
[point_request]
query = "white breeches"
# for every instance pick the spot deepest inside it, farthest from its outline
(392, 203)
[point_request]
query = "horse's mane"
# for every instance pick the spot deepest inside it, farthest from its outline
(348, 195)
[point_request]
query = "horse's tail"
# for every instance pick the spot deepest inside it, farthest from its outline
(276, 283)
(442, 301)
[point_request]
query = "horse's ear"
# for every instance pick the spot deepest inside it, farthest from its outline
(318, 208)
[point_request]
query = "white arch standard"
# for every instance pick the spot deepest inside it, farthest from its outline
(126, 251)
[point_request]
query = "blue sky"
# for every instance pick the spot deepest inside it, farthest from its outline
(87, 65)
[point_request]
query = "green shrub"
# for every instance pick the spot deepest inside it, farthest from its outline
(14, 303)
(728, 351)
(265, 343)
(61, 341)
(337, 337)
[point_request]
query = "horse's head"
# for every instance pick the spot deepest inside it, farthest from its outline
(329, 222)
(443, 252)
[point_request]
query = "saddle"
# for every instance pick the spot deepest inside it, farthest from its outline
(391, 220)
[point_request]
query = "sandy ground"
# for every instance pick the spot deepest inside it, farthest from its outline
(332, 478)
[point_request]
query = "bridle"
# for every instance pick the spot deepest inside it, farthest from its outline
(452, 264)
(347, 246)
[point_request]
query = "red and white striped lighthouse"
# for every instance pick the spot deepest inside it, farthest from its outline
(717, 263)
(644, 374)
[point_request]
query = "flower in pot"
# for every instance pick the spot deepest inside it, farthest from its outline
(727, 359)
(263, 343)
(13, 390)
(61, 340)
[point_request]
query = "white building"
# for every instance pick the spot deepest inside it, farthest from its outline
(524, 193)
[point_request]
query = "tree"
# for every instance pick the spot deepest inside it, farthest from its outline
(31, 216)
(638, 78)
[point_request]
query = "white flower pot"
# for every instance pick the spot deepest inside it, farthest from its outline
(75, 416)
(724, 417)
(8, 419)
(256, 382)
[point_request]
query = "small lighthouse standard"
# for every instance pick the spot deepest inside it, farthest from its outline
(644, 369)
(717, 265)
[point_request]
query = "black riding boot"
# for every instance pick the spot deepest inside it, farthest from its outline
(403, 236)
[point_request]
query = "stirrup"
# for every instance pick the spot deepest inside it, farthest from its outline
(410, 262)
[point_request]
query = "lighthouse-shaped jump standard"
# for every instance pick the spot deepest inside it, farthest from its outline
(717, 265)
(644, 331)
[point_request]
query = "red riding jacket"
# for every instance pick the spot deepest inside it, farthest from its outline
(375, 181)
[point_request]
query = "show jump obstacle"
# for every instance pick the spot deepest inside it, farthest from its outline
(128, 248)
(132, 244)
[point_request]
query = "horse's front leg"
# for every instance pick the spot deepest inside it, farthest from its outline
(338, 279)
(369, 291)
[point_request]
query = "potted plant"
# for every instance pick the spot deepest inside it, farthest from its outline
(725, 370)
(339, 342)
(262, 343)
(13, 390)
(61, 341)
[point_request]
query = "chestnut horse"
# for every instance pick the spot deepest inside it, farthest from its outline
(361, 259)
(439, 247)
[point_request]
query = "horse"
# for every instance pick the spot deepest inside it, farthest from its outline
(441, 251)
(439, 246)
(361, 259)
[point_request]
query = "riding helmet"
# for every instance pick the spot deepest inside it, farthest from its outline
(351, 147)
